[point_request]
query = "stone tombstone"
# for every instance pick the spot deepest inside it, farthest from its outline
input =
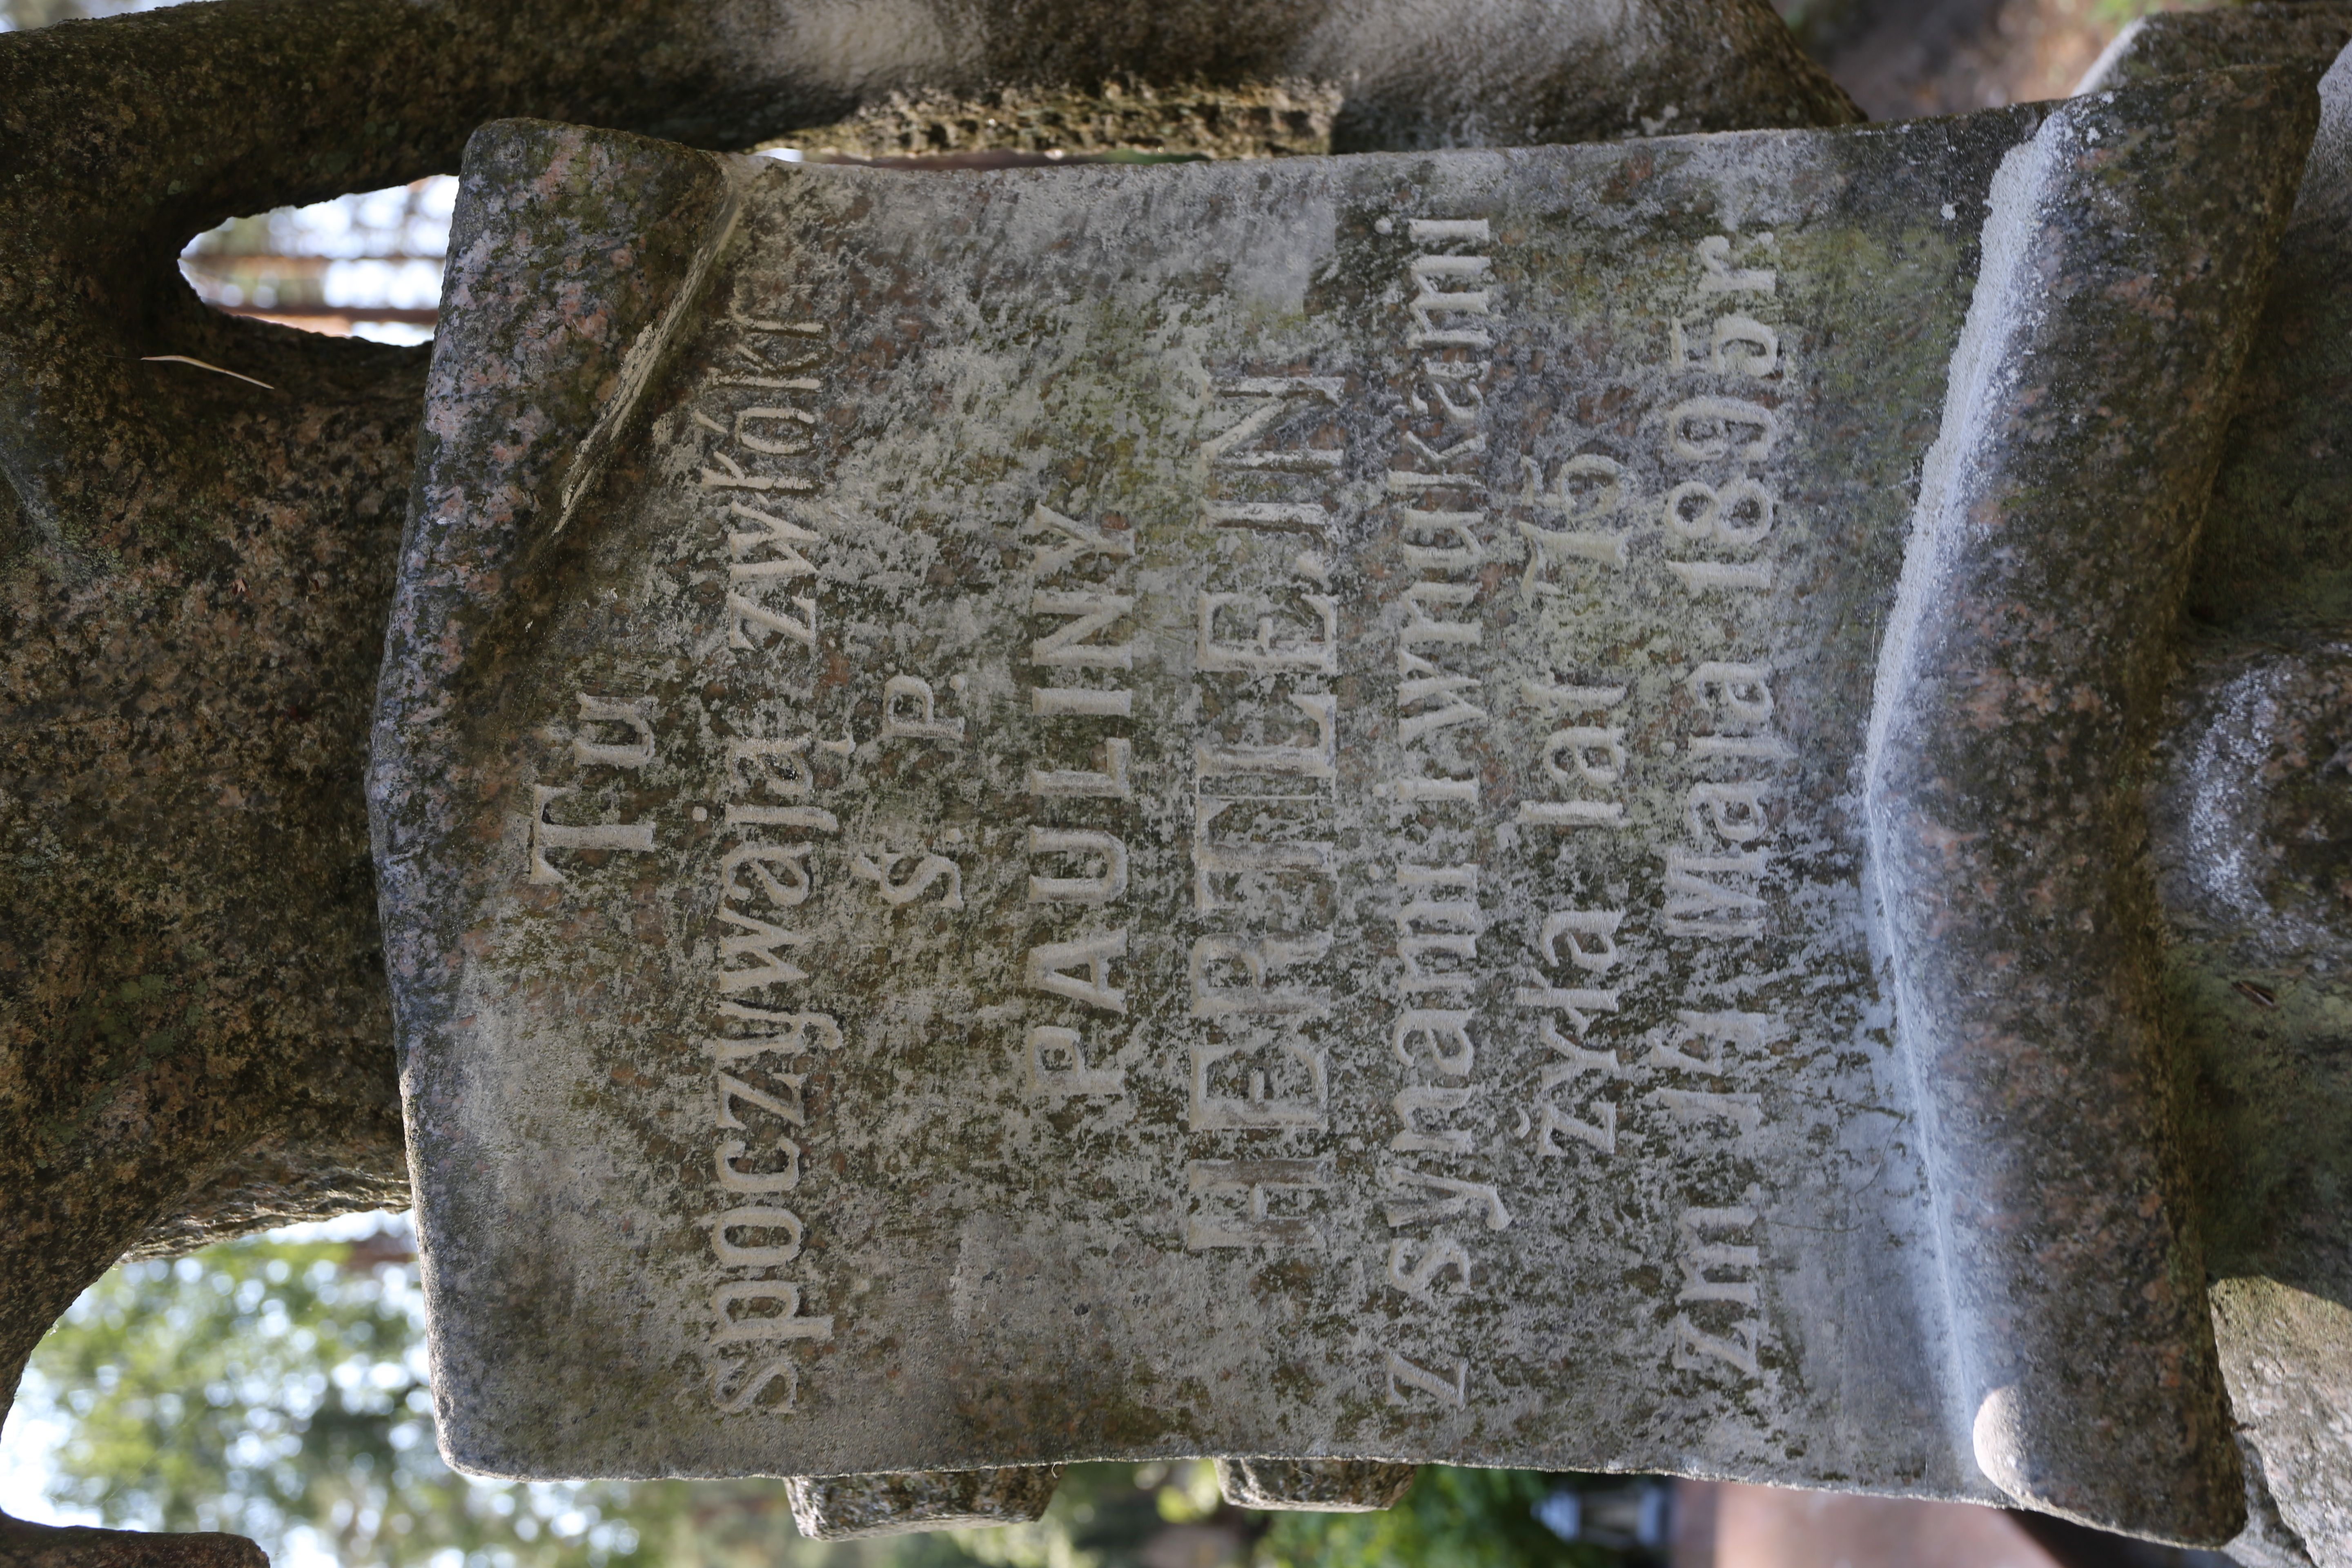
(1255, 810)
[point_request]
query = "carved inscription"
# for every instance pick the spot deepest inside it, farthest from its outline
(546, 834)
(1717, 433)
(1266, 655)
(1441, 509)
(1721, 439)
(753, 420)
(1080, 787)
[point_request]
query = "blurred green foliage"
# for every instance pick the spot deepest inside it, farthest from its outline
(1451, 1519)
(277, 1389)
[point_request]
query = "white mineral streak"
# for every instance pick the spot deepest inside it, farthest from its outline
(1975, 403)
(646, 355)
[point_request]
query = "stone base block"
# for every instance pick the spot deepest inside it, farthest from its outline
(845, 1507)
(1316, 1485)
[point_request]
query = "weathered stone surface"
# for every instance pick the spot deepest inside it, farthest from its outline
(848, 1507)
(1031, 1166)
(2021, 687)
(1314, 1486)
(2182, 42)
(195, 568)
(2288, 1356)
(1218, 810)
(2250, 829)
(2249, 840)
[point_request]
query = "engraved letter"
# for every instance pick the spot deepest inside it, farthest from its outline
(1714, 1030)
(910, 709)
(791, 1111)
(638, 837)
(1717, 275)
(1550, 1120)
(635, 754)
(1050, 961)
(1732, 812)
(1760, 346)
(1417, 1099)
(1211, 858)
(1097, 888)
(1256, 999)
(1212, 1112)
(1429, 301)
(1738, 1349)
(1551, 547)
(1432, 1027)
(793, 442)
(1572, 812)
(1698, 907)
(1421, 628)
(1081, 702)
(1084, 540)
(1691, 1106)
(1236, 448)
(735, 479)
(792, 859)
(1263, 652)
(802, 1032)
(1111, 780)
(1720, 511)
(1460, 1197)
(1057, 1067)
(1700, 576)
(1742, 691)
(1699, 429)
(775, 534)
(735, 1179)
(1067, 647)
(1255, 1225)
(1578, 926)
(1403, 1374)
(1433, 689)
(1595, 755)
(743, 614)
(785, 768)
(757, 1383)
(1454, 560)
(928, 870)
(758, 1217)
(788, 1324)
(1314, 760)
(1443, 1253)
(1428, 231)
(1698, 1257)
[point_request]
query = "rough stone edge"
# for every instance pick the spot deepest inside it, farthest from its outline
(2176, 43)
(901, 1502)
(1314, 1486)
(24, 1545)
(643, 217)
(2287, 1357)
(2067, 1243)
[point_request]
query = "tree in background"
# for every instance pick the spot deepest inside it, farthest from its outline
(277, 1389)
